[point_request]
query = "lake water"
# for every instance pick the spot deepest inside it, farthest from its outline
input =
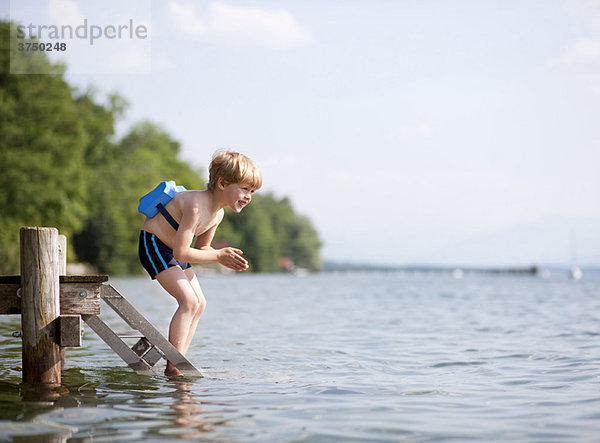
(337, 357)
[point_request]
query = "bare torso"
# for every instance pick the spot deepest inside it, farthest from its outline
(194, 201)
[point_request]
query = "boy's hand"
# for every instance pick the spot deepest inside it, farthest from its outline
(232, 258)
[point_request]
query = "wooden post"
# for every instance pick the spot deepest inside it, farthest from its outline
(40, 305)
(62, 255)
(62, 270)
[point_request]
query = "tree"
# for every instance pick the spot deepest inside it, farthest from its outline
(43, 142)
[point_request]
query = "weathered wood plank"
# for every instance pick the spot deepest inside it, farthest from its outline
(40, 305)
(10, 303)
(83, 278)
(16, 279)
(133, 318)
(80, 298)
(70, 330)
(141, 347)
(147, 351)
(62, 270)
(72, 299)
(62, 255)
(152, 356)
(130, 334)
(117, 345)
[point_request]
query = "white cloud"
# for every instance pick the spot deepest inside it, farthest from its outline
(64, 12)
(270, 27)
(583, 51)
(185, 18)
(585, 16)
(239, 24)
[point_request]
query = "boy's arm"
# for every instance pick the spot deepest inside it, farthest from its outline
(202, 252)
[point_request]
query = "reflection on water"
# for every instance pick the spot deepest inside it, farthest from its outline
(187, 412)
(110, 404)
(364, 357)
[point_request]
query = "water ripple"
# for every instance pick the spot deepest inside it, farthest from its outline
(339, 358)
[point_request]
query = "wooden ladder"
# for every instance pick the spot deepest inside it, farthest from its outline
(150, 347)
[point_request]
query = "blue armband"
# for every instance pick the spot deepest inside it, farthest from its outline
(162, 194)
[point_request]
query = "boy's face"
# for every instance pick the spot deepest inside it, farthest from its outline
(237, 195)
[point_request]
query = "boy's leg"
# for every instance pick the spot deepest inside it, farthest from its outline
(176, 283)
(191, 276)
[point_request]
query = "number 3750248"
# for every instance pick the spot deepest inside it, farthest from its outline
(46, 47)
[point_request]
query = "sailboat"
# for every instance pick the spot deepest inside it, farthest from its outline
(575, 272)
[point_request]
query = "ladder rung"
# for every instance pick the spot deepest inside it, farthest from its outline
(130, 334)
(158, 346)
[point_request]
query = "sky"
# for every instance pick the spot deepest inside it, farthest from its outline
(409, 132)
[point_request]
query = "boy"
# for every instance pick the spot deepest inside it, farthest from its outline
(165, 250)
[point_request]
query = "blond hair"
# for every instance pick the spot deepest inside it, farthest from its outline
(233, 167)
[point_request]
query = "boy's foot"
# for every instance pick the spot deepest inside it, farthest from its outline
(172, 371)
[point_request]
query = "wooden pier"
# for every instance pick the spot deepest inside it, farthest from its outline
(53, 305)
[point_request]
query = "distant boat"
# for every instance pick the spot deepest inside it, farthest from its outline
(546, 273)
(458, 273)
(576, 273)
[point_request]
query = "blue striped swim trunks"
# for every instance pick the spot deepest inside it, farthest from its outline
(156, 256)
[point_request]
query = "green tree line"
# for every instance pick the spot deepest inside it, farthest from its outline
(62, 166)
